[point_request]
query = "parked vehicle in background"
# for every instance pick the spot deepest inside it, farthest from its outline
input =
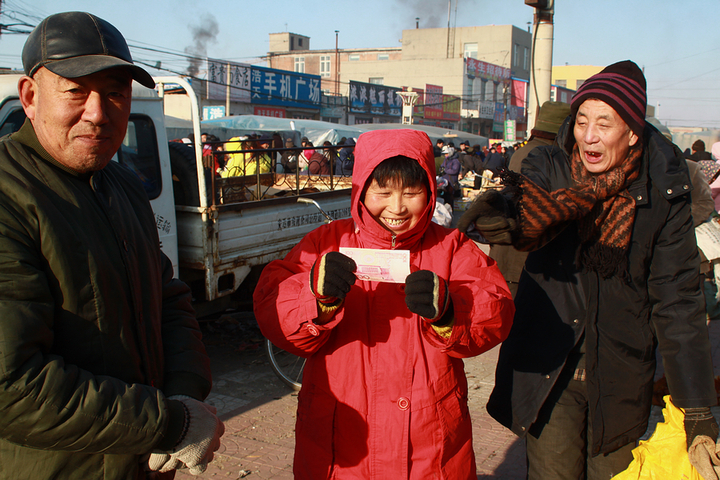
(218, 232)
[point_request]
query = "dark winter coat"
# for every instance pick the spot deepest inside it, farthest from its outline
(451, 169)
(94, 331)
(495, 162)
(622, 323)
(509, 259)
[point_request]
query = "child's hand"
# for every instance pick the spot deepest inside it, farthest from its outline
(427, 295)
(331, 277)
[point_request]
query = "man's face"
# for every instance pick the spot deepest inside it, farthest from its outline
(81, 122)
(603, 138)
(395, 208)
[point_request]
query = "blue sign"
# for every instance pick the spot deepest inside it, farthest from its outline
(284, 88)
(213, 112)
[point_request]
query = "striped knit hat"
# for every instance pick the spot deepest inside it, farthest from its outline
(622, 86)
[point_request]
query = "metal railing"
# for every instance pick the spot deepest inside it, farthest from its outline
(267, 181)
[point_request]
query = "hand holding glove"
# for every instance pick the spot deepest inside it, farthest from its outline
(427, 295)
(494, 217)
(331, 277)
(201, 439)
(699, 421)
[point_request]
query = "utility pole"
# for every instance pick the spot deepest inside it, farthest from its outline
(541, 59)
(337, 65)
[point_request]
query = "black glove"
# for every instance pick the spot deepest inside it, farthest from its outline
(699, 421)
(427, 295)
(331, 277)
(494, 217)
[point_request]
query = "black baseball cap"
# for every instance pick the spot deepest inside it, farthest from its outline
(75, 44)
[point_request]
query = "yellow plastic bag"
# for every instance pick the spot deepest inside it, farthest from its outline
(664, 455)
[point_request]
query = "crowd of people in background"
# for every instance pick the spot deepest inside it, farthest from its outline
(263, 153)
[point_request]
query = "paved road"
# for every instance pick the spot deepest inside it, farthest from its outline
(259, 410)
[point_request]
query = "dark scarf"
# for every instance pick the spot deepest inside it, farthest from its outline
(600, 203)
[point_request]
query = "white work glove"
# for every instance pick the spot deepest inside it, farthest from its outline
(201, 439)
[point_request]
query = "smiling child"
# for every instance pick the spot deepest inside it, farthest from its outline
(384, 391)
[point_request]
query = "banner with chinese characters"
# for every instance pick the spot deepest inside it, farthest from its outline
(211, 112)
(488, 71)
(499, 117)
(270, 112)
(451, 108)
(374, 99)
(433, 101)
(217, 81)
(284, 88)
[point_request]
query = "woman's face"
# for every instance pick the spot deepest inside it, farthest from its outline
(396, 208)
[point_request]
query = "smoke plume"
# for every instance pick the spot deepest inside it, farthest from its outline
(203, 34)
(432, 13)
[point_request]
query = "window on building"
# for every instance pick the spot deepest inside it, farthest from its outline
(376, 80)
(526, 58)
(383, 56)
(561, 83)
(487, 90)
(579, 83)
(299, 42)
(500, 94)
(469, 100)
(471, 50)
(516, 55)
(354, 57)
(324, 65)
(300, 64)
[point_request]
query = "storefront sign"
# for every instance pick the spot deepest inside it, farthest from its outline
(213, 112)
(374, 99)
(284, 88)
(433, 102)
(217, 81)
(270, 112)
(451, 108)
(487, 71)
(509, 130)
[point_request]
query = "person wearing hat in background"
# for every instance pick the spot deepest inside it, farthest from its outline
(549, 119)
(698, 151)
(102, 368)
(611, 274)
(289, 158)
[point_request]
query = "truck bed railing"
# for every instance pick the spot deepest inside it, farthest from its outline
(238, 188)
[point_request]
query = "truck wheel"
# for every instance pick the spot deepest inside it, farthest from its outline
(288, 367)
(184, 174)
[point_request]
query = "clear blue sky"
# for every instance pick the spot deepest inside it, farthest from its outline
(676, 42)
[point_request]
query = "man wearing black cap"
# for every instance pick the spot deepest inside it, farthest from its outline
(611, 274)
(102, 367)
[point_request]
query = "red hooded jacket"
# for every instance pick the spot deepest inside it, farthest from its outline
(384, 396)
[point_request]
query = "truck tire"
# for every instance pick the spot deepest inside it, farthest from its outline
(184, 174)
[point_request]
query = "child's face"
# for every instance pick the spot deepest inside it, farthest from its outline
(396, 208)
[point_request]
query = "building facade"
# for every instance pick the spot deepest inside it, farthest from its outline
(463, 75)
